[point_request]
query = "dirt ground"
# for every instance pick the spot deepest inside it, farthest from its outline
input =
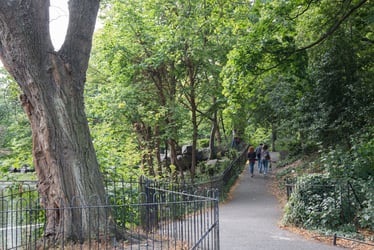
(281, 195)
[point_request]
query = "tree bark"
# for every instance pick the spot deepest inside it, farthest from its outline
(273, 136)
(213, 133)
(191, 97)
(173, 157)
(52, 83)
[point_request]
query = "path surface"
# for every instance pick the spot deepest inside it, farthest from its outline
(250, 220)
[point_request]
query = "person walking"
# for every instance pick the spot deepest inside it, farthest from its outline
(251, 155)
(235, 140)
(258, 155)
(265, 158)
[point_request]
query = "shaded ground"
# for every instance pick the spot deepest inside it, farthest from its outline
(250, 219)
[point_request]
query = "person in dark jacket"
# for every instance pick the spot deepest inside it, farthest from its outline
(251, 159)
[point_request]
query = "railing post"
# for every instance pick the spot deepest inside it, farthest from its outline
(334, 240)
(149, 211)
(216, 217)
(289, 187)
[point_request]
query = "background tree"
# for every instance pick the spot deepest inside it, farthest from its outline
(173, 54)
(52, 84)
(283, 41)
(15, 132)
(338, 72)
(137, 61)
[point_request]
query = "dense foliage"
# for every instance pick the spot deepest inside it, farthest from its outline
(297, 75)
(15, 131)
(321, 203)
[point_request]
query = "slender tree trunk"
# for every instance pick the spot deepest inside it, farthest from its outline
(192, 102)
(53, 84)
(194, 142)
(144, 135)
(173, 157)
(149, 142)
(273, 136)
(158, 150)
(218, 130)
(165, 83)
(212, 146)
(213, 132)
(223, 127)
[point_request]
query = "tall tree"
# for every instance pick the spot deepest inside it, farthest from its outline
(139, 57)
(277, 50)
(52, 83)
(173, 52)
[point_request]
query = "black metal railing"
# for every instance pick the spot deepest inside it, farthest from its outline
(227, 179)
(152, 214)
(148, 215)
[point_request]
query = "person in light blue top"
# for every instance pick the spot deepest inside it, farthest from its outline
(265, 158)
(258, 155)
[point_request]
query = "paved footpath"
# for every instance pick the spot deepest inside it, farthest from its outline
(250, 220)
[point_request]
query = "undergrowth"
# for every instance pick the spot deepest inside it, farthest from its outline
(333, 193)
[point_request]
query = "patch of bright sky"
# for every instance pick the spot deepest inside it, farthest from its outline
(58, 22)
(59, 17)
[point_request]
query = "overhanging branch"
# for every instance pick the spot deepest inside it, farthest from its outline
(323, 37)
(333, 28)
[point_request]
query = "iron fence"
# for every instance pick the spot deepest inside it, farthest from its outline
(151, 214)
(148, 215)
(227, 179)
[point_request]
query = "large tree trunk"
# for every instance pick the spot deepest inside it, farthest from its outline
(52, 84)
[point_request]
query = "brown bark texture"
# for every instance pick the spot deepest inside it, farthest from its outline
(52, 83)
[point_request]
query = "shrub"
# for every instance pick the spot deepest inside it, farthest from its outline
(232, 154)
(366, 215)
(318, 202)
(363, 163)
(203, 143)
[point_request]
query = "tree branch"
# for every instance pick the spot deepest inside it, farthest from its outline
(333, 28)
(324, 36)
(82, 20)
(303, 11)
